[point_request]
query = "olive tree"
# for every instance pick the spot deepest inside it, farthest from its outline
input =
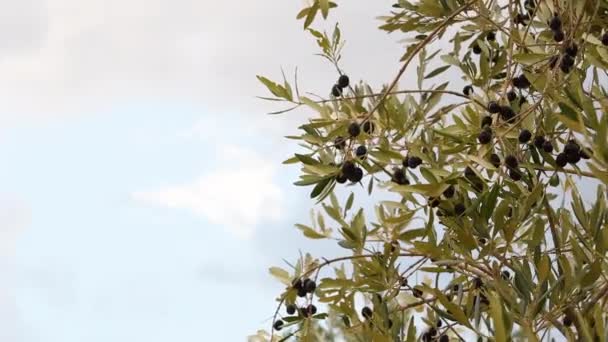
(491, 238)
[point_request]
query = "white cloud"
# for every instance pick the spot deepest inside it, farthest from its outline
(236, 195)
(73, 56)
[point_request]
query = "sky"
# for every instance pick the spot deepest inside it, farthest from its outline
(141, 192)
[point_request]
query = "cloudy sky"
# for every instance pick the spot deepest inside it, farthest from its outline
(141, 192)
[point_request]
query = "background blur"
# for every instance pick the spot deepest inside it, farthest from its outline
(141, 192)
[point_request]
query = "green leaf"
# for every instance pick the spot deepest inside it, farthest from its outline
(310, 16)
(592, 274)
(429, 190)
(437, 71)
(530, 58)
(496, 308)
(276, 89)
(281, 275)
(306, 159)
(309, 232)
(324, 5)
(452, 308)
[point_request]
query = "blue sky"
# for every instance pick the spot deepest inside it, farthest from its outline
(95, 264)
(141, 191)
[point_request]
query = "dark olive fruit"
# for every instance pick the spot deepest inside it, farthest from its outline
(555, 24)
(459, 209)
(341, 178)
(522, 100)
(278, 325)
(399, 177)
(369, 127)
(585, 153)
(572, 50)
(343, 81)
(568, 61)
(403, 281)
(390, 323)
(301, 292)
(433, 331)
(336, 91)
(515, 174)
(521, 18)
(477, 283)
(505, 275)
(491, 36)
(571, 148)
(483, 241)
(356, 176)
(567, 320)
(507, 113)
(493, 107)
(486, 121)
(444, 338)
(339, 143)
(291, 309)
(605, 39)
(573, 158)
(468, 90)
(511, 161)
(521, 82)
(524, 136)
(439, 323)
(348, 168)
(495, 159)
(417, 293)
(455, 287)
(561, 160)
(558, 36)
(434, 202)
(426, 337)
(511, 96)
(413, 162)
(547, 147)
(361, 151)
(310, 285)
(449, 192)
(297, 284)
(476, 49)
(539, 140)
(553, 62)
(354, 129)
(485, 137)
(366, 312)
(469, 173)
(309, 310)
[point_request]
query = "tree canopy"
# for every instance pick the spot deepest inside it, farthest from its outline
(491, 238)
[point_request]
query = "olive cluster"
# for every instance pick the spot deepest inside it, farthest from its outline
(303, 287)
(432, 334)
(338, 88)
(349, 170)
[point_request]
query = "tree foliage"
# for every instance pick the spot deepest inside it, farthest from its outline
(488, 169)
